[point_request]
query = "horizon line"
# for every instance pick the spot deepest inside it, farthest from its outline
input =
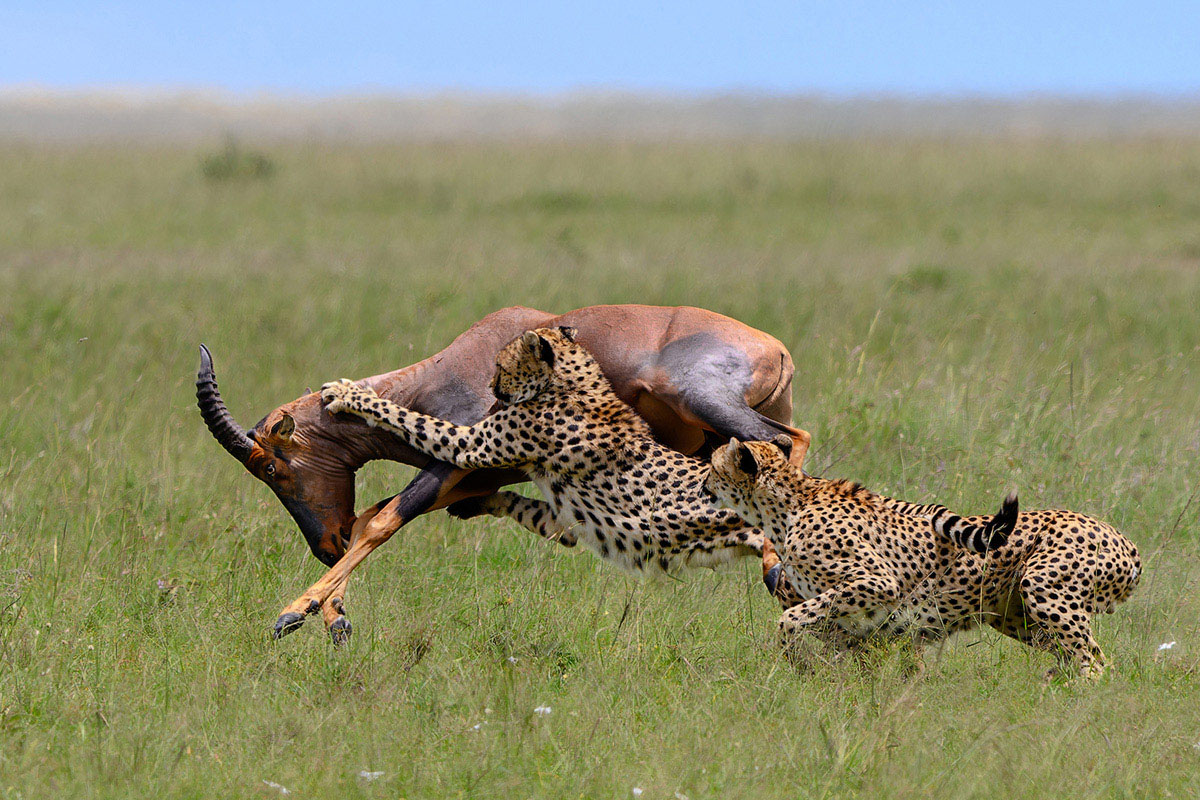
(585, 91)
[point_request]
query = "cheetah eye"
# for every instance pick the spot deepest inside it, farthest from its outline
(270, 470)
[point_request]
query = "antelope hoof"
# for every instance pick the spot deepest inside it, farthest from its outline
(772, 566)
(287, 623)
(339, 631)
(290, 620)
(771, 578)
(466, 509)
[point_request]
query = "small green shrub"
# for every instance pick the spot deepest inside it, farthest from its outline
(923, 277)
(233, 162)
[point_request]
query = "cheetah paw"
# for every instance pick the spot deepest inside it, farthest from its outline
(341, 395)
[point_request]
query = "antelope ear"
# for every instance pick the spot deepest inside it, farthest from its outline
(284, 428)
(568, 332)
(746, 461)
(784, 443)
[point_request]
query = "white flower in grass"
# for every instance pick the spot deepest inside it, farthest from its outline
(512, 659)
(277, 786)
(1166, 646)
(478, 726)
(367, 775)
(542, 711)
(681, 796)
(637, 791)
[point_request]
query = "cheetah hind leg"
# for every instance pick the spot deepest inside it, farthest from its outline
(1079, 655)
(1065, 632)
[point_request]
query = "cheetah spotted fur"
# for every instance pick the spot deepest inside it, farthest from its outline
(607, 482)
(849, 567)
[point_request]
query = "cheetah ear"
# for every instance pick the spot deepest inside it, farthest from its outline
(545, 352)
(568, 332)
(784, 443)
(538, 345)
(743, 457)
(747, 462)
(284, 428)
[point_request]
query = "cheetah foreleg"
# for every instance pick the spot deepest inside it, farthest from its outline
(858, 595)
(479, 446)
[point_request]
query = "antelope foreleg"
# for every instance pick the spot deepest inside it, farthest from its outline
(420, 496)
(333, 610)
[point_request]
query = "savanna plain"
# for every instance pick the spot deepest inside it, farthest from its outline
(966, 316)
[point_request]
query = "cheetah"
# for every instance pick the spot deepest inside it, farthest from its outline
(849, 567)
(607, 482)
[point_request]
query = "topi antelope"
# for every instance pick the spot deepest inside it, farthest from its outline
(695, 376)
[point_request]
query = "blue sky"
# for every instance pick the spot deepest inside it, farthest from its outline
(841, 48)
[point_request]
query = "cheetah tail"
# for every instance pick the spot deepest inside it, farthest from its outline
(979, 538)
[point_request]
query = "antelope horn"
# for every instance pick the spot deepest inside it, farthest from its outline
(220, 423)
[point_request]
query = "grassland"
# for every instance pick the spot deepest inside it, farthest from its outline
(966, 316)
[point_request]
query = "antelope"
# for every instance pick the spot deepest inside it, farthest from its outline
(697, 377)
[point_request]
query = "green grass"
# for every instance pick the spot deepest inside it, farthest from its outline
(966, 316)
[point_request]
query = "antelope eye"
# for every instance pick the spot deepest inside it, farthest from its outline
(271, 470)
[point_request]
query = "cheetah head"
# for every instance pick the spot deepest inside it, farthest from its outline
(743, 474)
(525, 367)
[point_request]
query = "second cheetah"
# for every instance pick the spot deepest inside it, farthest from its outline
(849, 567)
